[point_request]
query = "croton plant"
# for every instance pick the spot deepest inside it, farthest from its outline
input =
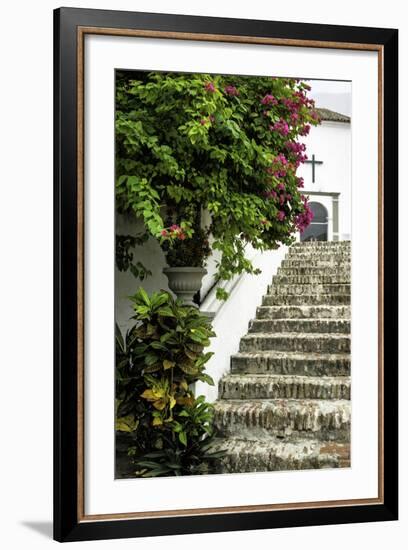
(162, 427)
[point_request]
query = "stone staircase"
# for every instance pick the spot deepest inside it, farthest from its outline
(285, 405)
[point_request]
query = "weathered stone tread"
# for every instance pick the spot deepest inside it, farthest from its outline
(296, 341)
(291, 362)
(286, 418)
(303, 312)
(313, 270)
(262, 456)
(301, 289)
(337, 326)
(306, 299)
(275, 386)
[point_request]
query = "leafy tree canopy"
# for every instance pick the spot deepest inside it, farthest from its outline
(227, 144)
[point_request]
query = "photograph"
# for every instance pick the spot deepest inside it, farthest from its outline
(232, 273)
(225, 221)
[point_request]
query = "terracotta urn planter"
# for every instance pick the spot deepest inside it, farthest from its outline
(185, 282)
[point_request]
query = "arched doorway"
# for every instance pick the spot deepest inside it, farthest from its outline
(317, 230)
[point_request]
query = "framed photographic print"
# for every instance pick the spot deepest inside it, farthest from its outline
(225, 274)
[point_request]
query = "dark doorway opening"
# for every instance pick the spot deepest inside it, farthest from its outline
(318, 229)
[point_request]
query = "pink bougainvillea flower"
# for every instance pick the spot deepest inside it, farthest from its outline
(295, 147)
(304, 131)
(301, 98)
(302, 221)
(281, 158)
(281, 127)
(163, 232)
(281, 215)
(269, 99)
(300, 182)
(292, 105)
(210, 87)
(174, 227)
(231, 90)
(181, 236)
(281, 187)
(203, 121)
(300, 160)
(269, 194)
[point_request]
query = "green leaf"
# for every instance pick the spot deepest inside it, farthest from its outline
(150, 359)
(152, 368)
(126, 424)
(142, 293)
(183, 438)
(206, 378)
(188, 367)
(165, 312)
(159, 299)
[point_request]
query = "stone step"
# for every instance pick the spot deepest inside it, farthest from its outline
(268, 386)
(294, 341)
(291, 362)
(310, 253)
(337, 326)
(242, 455)
(289, 290)
(313, 271)
(306, 299)
(315, 262)
(294, 279)
(321, 244)
(261, 419)
(326, 259)
(303, 312)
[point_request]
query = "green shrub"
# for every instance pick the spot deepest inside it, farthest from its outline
(164, 427)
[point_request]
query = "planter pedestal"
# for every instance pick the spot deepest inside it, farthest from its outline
(185, 282)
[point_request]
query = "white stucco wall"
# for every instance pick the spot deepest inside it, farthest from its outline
(330, 142)
(151, 256)
(233, 315)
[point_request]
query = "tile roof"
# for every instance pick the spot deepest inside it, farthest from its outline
(332, 116)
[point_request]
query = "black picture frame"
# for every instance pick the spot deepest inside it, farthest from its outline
(68, 525)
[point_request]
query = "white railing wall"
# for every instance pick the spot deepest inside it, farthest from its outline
(232, 316)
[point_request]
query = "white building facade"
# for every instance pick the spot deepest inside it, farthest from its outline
(327, 177)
